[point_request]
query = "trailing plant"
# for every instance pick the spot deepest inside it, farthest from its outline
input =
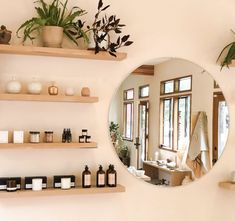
(117, 140)
(104, 27)
(55, 14)
(230, 54)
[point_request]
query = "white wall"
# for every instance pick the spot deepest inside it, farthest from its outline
(195, 30)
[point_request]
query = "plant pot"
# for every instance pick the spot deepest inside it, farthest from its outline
(52, 36)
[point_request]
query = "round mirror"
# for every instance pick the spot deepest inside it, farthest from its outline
(169, 122)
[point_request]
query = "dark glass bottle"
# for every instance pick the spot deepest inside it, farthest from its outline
(86, 178)
(100, 177)
(107, 173)
(69, 136)
(64, 136)
(112, 177)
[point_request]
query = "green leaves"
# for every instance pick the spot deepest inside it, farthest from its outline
(54, 14)
(230, 55)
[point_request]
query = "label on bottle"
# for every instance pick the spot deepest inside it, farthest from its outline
(111, 179)
(87, 180)
(101, 179)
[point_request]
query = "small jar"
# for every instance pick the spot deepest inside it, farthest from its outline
(34, 136)
(84, 132)
(48, 138)
(81, 139)
(88, 139)
(11, 185)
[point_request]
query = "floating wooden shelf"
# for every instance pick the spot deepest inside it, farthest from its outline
(59, 52)
(48, 146)
(48, 98)
(227, 185)
(59, 192)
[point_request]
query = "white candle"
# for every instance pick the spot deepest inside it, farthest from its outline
(65, 183)
(37, 184)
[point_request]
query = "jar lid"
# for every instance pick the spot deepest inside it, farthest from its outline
(84, 130)
(34, 132)
(82, 136)
(88, 136)
(48, 132)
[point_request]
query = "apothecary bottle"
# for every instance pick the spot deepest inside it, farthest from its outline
(86, 178)
(112, 177)
(100, 177)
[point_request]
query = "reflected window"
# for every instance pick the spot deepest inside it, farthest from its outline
(128, 120)
(168, 122)
(185, 84)
(183, 121)
(177, 85)
(144, 91)
(129, 94)
(168, 87)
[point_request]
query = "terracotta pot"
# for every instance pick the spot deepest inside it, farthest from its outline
(52, 36)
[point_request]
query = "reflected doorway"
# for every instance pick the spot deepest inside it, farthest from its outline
(143, 128)
(220, 125)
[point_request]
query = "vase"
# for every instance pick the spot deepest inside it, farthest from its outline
(34, 87)
(52, 36)
(53, 90)
(69, 91)
(85, 92)
(13, 86)
(5, 35)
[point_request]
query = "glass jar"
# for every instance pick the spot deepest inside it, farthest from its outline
(48, 138)
(81, 139)
(84, 132)
(88, 139)
(34, 137)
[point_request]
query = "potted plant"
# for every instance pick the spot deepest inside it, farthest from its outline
(227, 60)
(103, 28)
(54, 20)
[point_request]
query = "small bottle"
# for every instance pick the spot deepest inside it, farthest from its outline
(112, 177)
(107, 173)
(86, 178)
(81, 139)
(64, 136)
(100, 177)
(88, 139)
(69, 136)
(84, 132)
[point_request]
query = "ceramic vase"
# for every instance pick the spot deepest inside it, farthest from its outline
(34, 87)
(13, 86)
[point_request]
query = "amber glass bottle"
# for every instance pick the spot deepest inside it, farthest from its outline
(86, 178)
(107, 173)
(100, 177)
(112, 177)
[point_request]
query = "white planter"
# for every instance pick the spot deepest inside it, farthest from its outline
(52, 36)
(13, 86)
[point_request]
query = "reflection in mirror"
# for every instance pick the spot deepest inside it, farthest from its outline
(169, 122)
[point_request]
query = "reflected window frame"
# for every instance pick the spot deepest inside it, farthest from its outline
(125, 94)
(176, 85)
(140, 90)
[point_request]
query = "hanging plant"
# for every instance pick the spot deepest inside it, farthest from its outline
(102, 29)
(230, 48)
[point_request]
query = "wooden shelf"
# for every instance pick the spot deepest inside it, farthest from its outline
(59, 192)
(227, 185)
(60, 52)
(48, 146)
(48, 98)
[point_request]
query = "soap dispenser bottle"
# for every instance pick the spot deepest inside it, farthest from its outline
(86, 178)
(112, 177)
(100, 177)
(107, 173)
